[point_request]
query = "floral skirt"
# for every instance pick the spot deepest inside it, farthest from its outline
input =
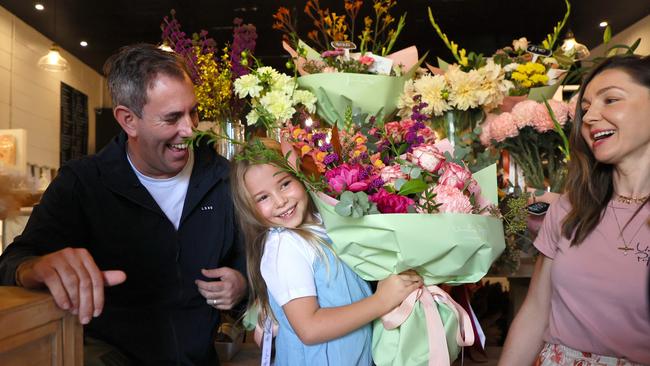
(559, 355)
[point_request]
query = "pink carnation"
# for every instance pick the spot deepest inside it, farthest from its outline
(394, 131)
(390, 202)
(486, 129)
(366, 60)
(503, 127)
(427, 157)
(452, 200)
(523, 113)
(391, 173)
(560, 110)
(454, 175)
(346, 177)
(428, 134)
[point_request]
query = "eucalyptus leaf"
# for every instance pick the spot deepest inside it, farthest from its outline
(399, 183)
(343, 209)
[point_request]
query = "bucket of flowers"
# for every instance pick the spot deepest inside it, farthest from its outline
(351, 69)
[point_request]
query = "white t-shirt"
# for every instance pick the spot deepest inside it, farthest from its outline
(287, 265)
(169, 193)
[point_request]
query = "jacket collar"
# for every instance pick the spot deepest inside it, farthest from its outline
(118, 176)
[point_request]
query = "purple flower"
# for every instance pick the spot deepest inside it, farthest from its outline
(332, 53)
(244, 39)
(331, 158)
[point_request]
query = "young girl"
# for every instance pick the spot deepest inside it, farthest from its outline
(323, 309)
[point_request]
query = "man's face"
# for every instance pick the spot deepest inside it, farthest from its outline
(156, 145)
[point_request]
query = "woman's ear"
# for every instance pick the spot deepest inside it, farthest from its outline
(127, 119)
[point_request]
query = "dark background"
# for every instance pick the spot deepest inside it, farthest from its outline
(477, 25)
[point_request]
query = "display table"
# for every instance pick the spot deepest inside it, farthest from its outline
(34, 331)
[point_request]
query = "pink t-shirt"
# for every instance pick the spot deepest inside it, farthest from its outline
(599, 300)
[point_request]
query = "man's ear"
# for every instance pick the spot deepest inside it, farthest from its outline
(127, 120)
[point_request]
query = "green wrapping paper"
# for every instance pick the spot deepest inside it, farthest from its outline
(375, 95)
(442, 248)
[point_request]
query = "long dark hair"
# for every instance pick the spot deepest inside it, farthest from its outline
(589, 182)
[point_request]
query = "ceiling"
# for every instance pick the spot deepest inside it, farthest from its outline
(477, 25)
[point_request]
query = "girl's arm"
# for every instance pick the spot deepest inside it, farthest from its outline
(314, 324)
(524, 340)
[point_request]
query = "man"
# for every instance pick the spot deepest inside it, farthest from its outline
(140, 239)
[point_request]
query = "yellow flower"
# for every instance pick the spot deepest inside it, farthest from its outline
(305, 150)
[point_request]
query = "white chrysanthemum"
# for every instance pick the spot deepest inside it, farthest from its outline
(405, 102)
(431, 88)
(247, 85)
(306, 98)
(493, 86)
(463, 87)
(267, 70)
(252, 117)
(284, 83)
(278, 104)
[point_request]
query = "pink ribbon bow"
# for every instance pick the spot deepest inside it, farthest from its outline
(430, 296)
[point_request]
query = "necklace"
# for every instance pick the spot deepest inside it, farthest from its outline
(625, 248)
(630, 200)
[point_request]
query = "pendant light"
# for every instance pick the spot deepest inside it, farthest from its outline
(53, 61)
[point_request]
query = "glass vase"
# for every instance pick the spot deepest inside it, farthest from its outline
(456, 125)
(233, 135)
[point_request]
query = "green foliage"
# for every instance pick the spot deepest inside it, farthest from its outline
(355, 204)
(607, 34)
(549, 42)
(565, 149)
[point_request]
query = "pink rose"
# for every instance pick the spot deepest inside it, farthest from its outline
(366, 60)
(390, 202)
(427, 157)
(393, 131)
(452, 200)
(346, 177)
(454, 175)
(391, 173)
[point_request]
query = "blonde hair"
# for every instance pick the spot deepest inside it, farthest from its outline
(255, 227)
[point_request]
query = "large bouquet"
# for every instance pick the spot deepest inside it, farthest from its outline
(342, 79)
(392, 198)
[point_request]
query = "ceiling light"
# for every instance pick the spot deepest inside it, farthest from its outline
(53, 61)
(603, 24)
(83, 43)
(39, 6)
(573, 48)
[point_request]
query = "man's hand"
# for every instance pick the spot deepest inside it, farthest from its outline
(227, 292)
(73, 279)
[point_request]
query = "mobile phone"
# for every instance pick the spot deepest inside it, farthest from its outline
(538, 208)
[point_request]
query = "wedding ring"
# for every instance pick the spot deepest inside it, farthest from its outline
(212, 302)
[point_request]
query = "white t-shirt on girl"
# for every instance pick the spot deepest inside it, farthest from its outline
(287, 265)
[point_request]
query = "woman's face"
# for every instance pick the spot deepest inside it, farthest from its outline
(616, 118)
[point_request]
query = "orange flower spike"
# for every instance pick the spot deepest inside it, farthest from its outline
(335, 141)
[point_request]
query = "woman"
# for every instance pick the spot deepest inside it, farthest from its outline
(587, 301)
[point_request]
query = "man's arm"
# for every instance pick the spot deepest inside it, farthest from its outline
(42, 257)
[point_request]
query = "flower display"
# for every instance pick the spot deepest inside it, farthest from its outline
(535, 135)
(274, 97)
(212, 70)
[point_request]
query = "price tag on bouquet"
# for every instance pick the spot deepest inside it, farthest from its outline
(537, 51)
(346, 46)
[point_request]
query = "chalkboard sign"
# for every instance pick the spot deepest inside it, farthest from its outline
(74, 123)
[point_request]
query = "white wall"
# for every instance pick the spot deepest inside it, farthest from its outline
(628, 36)
(30, 96)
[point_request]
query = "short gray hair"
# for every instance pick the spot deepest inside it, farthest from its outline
(132, 70)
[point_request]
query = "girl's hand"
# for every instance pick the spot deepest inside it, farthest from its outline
(394, 289)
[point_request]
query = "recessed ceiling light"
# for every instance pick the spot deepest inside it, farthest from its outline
(39, 6)
(83, 43)
(603, 24)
